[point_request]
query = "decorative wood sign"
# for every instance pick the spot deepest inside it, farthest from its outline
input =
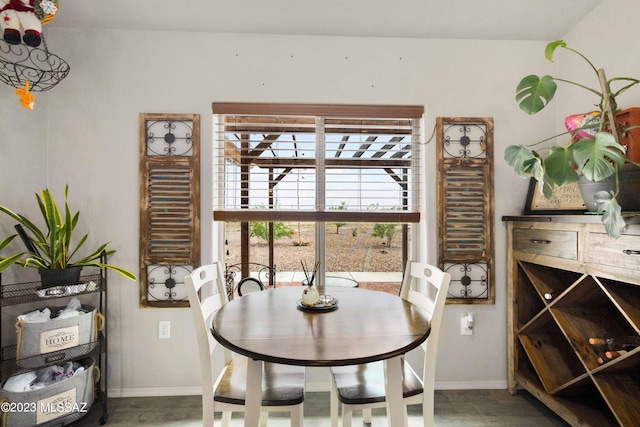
(564, 200)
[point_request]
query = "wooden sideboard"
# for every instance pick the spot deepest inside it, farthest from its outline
(568, 282)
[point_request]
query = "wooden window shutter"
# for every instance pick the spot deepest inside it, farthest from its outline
(465, 207)
(169, 206)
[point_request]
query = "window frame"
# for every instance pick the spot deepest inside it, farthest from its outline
(321, 217)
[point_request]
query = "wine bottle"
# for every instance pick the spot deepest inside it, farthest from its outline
(626, 343)
(613, 354)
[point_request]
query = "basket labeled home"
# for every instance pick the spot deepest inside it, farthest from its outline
(41, 344)
(58, 404)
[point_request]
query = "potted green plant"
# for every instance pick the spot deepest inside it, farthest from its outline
(52, 251)
(593, 151)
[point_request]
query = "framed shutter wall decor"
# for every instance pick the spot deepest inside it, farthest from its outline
(169, 206)
(465, 207)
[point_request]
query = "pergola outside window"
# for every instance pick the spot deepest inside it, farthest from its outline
(316, 164)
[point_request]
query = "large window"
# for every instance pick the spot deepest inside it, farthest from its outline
(289, 167)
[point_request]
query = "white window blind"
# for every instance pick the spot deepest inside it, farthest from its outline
(317, 163)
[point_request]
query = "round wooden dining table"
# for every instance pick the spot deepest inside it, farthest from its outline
(365, 326)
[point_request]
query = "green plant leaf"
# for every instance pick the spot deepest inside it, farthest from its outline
(79, 245)
(612, 217)
(534, 93)
(534, 167)
(547, 187)
(24, 221)
(69, 224)
(551, 49)
(122, 271)
(596, 158)
(9, 261)
(6, 241)
(261, 229)
(54, 246)
(558, 166)
(53, 219)
(13, 259)
(524, 161)
(94, 255)
(36, 262)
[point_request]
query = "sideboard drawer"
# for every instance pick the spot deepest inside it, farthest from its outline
(623, 252)
(556, 243)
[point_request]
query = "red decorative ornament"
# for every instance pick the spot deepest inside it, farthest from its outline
(582, 125)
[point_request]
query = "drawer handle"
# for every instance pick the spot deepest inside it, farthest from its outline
(546, 242)
(631, 252)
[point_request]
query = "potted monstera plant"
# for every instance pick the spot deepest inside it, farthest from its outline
(52, 250)
(592, 150)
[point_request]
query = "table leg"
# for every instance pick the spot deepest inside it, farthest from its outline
(254, 393)
(396, 411)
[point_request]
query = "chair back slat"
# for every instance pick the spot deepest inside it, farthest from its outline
(423, 301)
(423, 285)
(225, 377)
(426, 286)
(206, 290)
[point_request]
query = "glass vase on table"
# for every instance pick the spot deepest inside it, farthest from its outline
(310, 295)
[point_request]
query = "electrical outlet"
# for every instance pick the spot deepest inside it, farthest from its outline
(466, 324)
(164, 329)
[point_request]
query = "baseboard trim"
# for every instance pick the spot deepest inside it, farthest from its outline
(155, 391)
(440, 385)
(471, 385)
(311, 387)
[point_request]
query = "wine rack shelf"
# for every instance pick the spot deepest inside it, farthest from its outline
(569, 282)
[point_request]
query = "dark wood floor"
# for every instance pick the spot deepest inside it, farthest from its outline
(464, 408)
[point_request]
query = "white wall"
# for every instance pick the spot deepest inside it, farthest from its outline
(609, 37)
(23, 161)
(86, 129)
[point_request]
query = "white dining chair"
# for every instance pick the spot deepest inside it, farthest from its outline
(362, 387)
(224, 377)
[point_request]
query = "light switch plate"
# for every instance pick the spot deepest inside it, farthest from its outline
(164, 329)
(465, 328)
